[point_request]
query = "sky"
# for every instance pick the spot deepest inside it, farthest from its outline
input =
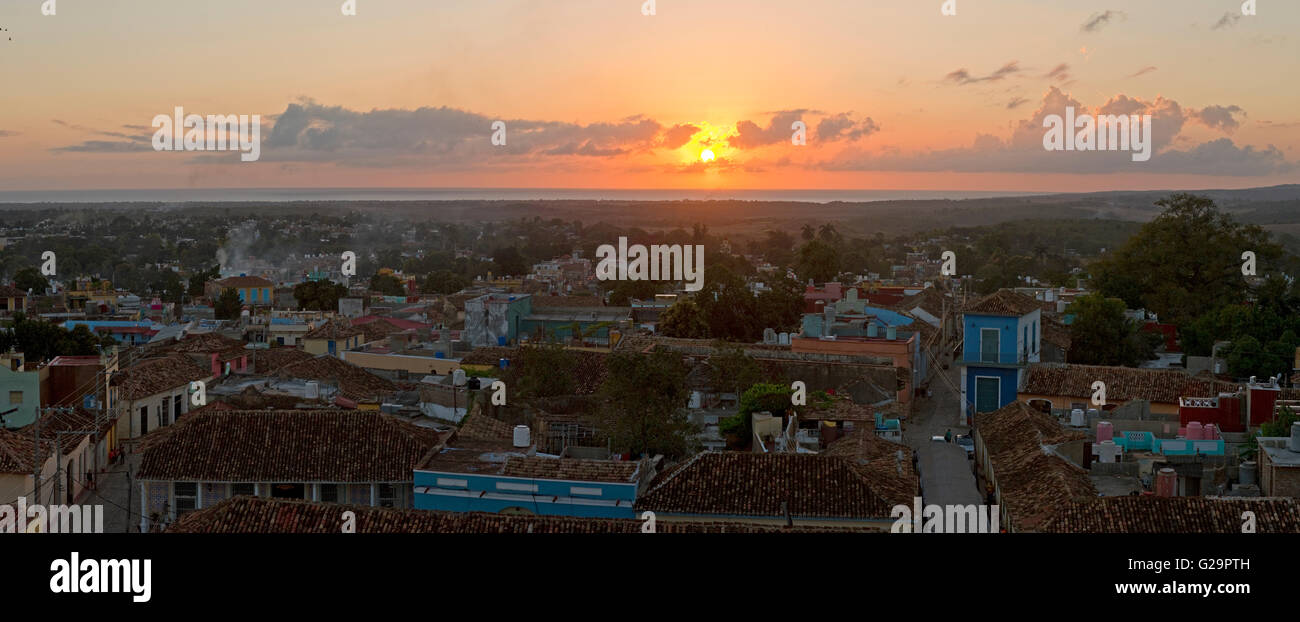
(894, 94)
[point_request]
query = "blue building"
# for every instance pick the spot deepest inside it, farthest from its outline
(1003, 334)
(491, 476)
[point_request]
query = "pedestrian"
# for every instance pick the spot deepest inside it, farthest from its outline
(947, 436)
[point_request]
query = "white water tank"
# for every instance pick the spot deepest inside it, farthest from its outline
(523, 436)
(458, 378)
(1246, 474)
(313, 390)
(1076, 418)
(1295, 436)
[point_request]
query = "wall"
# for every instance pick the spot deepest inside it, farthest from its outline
(29, 384)
(421, 365)
(461, 492)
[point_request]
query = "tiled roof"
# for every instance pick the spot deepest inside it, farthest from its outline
(930, 299)
(889, 474)
(245, 281)
(16, 452)
(483, 427)
(353, 382)
(155, 375)
(1122, 383)
(205, 343)
(55, 421)
(1056, 333)
(286, 446)
(1002, 302)
(261, 515)
(1152, 514)
(570, 469)
(1032, 480)
(333, 330)
(269, 360)
(374, 331)
(9, 291)
(755, 485)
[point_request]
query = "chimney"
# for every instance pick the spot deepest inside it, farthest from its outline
(1166, 483)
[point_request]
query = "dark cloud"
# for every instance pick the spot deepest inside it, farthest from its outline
(1143, 71)
(7, 133)
(1228, 20)
(1101, 20)
(843, 127)
(678, 135)
(749, 135)
(1219, 117)
(1059, 73)
(964, 77)
(1016, 102)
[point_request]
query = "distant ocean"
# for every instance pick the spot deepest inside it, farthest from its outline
(210, 195)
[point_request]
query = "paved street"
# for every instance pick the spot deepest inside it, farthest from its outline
(112, 493)
(946, 476)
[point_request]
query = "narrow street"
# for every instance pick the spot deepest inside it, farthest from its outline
(946, 475)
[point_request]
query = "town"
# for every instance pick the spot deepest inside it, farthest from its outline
(235, 369)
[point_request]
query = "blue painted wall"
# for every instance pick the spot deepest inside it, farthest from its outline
(485, 496)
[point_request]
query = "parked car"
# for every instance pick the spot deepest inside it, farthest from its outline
(967, 443)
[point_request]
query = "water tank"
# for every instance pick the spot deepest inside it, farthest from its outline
(503, 363)
(1166, 483)
(1295, 437)
(458, 378)
(440, 354)
(783, 339)
(873, 330)
(313, 390)
(523, 436)
(1195, 432)
(1211, 432)
(891, 333)
(1076, 418)
(1246, 474)
(1105, 431)
(501, 341)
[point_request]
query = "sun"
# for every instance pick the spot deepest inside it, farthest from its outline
(706, 155)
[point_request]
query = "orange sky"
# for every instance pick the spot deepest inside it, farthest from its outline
(595, 94)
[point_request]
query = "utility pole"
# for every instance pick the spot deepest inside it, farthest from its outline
(36, 457)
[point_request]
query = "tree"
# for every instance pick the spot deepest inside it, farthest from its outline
(31, 279)
(543, 370)
(387, 285)
(683, 320)
(507, 260)
(199, 279)
(781, 307)
(643, 404)
(444, 282)
(1248, 357)
(729, 307)
(1101, 335)
(763, 397)
(319, 295)
(731, 370)
(1186, 261)
(818, 261)
(621, 293)
(39, 340)
(227, 306)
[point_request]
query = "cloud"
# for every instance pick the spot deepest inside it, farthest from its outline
(1219, 117)
(1143, 71)
(750, 135)
(1022, 151)
(1016, 102)
(1060, 73)
(1101, 20)
(843, 127)
(963, 77)
(8, 133)
(678, 135)
(1228, 20)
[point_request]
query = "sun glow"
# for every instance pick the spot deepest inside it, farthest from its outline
(706, 155)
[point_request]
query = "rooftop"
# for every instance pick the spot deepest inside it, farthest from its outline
(1152, 514)
(1122, 383)
(155, 375)
(1003, 302)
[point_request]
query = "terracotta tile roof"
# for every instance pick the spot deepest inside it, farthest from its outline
(16, 451)
(570, 469)
(1056, 333)
(272, 359)
(1152, 514)
(931, 299)
(9, 291)
(483, 427)
(889, 474)
(204, 343)
(155, 375)
(1002, 302)
(1122, 383)
(244, 281)
(374, 331)
(353, 382)
(755, 485)
(333, 330)
(1031, 480)
(75, 420)
(286, 446)
(261, 515)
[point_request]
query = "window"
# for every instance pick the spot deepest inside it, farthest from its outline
(186, 497)
(162, 412)
(243, 489)
(176, 408)
(990, 343)
(329, 493)
(15, 397)
(1035, 337)
(387, 496)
